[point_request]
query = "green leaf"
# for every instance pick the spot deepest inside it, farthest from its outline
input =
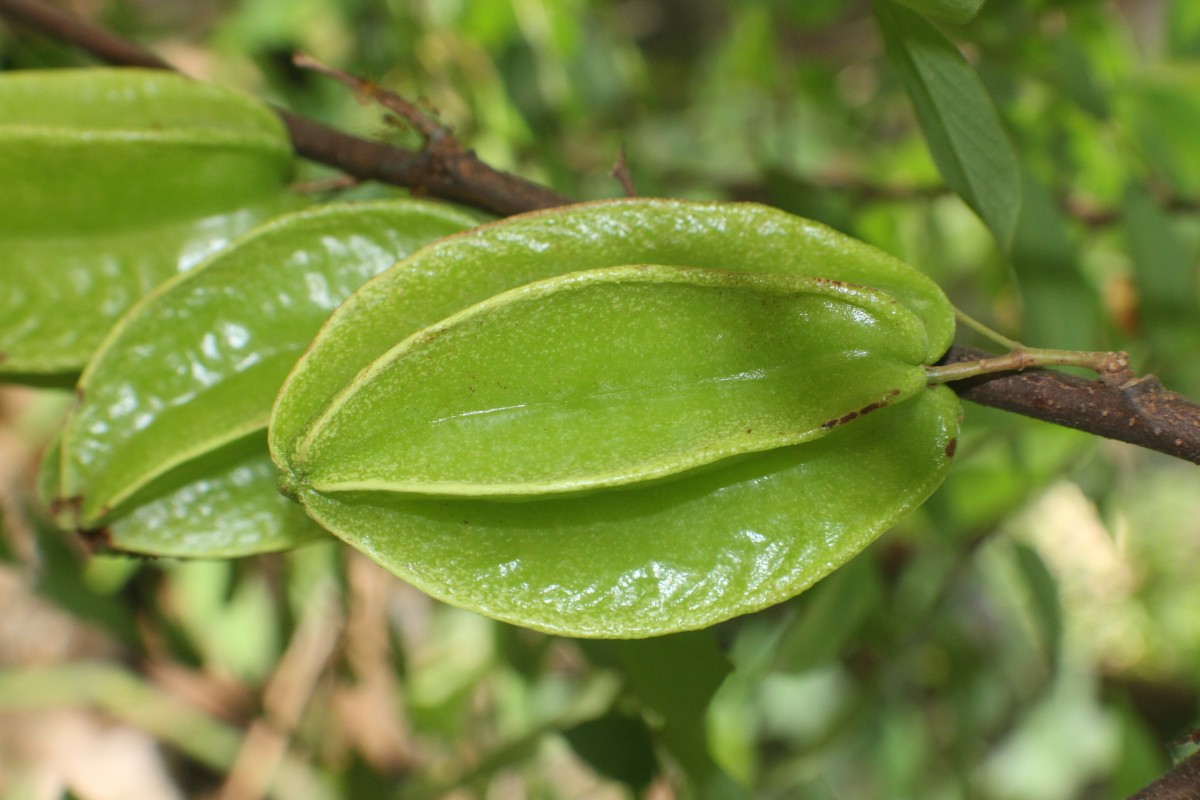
(675, 696)
(614, 376)
(1161, 108)
(195, 366)
(1165, 263)
(961, 126)
(114, 180)
(1168, 295)
(1057, 304)
(956, 11)
(460, 271)
(1045, 605)
(664, 557)
(617, 746)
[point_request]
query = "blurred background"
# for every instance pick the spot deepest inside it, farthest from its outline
(1030, 633)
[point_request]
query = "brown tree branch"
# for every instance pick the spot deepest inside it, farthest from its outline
(620, 171)
(1140, 412)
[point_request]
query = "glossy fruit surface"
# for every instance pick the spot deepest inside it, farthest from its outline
(622, 419)
(462, 270)
(665, 557)
(614, 376)
(191, 371)
(115, 180)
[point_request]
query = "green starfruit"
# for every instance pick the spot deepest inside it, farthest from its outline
(176, 401)
(229, 507)
(115, 180)
(622, 419)
(463, 270)
(611, 377)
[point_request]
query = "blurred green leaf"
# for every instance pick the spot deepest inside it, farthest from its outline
(828, 616)
(674, 678)
(1162, 109)
(1165, 267)
(1166, 279)
(961, 126)
(1057, 305)
(957, 11)
(617, 745)
(63, 580)
(1045, 608)
(1140, 758)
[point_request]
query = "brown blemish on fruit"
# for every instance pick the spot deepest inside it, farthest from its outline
(67, 505)
(867, 409)
(951, 446)
(97, 540)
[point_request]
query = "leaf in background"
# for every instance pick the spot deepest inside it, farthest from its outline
(460, 271)
(962, 129)
(674, 678)
(1057, 304)
(956, 11)
(1166, 269)
(618, 746)
(1165, 275)
(1044, 604)
(612, 377)
(828, 617)
(194, 367)
(1162, 109)
(115, 180)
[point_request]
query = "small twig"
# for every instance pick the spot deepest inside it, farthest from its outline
(1137, 411)
(1099, 217)
(1021, 358)
(337, 183)
(287, 693)
(620, 171)
(431, 132)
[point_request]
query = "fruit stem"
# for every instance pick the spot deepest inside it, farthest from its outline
(1109, 365)
(985, 331)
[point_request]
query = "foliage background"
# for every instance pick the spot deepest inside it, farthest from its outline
(1029, 633)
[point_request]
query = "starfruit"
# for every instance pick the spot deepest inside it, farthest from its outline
(115, 180)
(171, 411)
(611, 377)
(622, 419)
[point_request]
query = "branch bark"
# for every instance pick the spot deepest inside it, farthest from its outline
(1140, 412)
